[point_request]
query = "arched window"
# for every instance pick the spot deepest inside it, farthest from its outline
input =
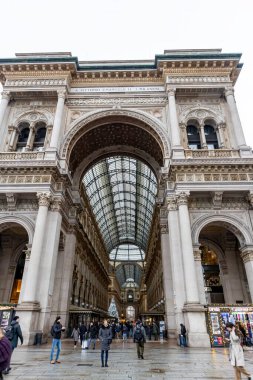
(24, 130)
(193, 137)
(211, 137)
(40, 135)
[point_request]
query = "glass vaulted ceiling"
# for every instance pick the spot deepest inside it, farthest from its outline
(121, 192)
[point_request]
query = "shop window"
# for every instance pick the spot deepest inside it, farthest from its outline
(211, 137)
(193, 137)
(40, 135)
(16, 288)
(23, 136)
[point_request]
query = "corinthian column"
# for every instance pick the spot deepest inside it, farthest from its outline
(58, 120)
(3, 105)
(30, 291)
(191, 285)
(237, 127)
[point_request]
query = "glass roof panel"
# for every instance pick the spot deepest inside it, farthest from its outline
(121, 191)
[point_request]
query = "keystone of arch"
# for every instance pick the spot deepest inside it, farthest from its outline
(154, 124)
(23, 221)
(230, 222)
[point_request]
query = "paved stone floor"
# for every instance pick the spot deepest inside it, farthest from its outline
(162, 360)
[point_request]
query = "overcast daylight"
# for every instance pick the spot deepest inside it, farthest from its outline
(133, 29)
(126, 189)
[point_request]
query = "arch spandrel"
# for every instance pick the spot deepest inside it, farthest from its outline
(92, 120)
(231, 223)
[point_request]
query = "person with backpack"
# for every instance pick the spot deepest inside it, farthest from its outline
(139, 336)
(182, 335)
(5, 353)
(56, 331)
(13, 332)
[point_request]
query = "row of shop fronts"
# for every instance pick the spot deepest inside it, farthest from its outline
(216, 318)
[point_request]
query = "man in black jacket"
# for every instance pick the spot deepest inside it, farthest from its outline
(15, 334)
(56, 331)
(93, 332)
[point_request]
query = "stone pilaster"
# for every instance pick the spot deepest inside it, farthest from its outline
(199, 273)
(247, 257)
(58, 120)
(174, 125)
(237, 127)
(3, 105)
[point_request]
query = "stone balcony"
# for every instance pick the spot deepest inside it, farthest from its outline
(215, 153)
(23, 156)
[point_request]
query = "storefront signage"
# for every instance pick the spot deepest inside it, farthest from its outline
(116, 89)
(241, 309)
(214, 309)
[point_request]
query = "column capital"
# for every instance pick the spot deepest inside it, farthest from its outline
(44, 199)
(61, 94)
(56, 204)
(247, 254)
(164, 228)
(6, 95)
(28, 251)
(197, 254)
(250, 198)
(221, 125)
(182, 198)
(171, 91)
(182, 125)
(229, 91)
(172, 203)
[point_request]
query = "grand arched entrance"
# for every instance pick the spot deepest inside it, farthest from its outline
(115, 166)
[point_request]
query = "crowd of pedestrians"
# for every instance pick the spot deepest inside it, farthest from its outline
(105, 333)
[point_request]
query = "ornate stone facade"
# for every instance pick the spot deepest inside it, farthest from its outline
(177, 114)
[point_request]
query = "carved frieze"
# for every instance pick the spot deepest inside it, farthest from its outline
(116, 101)
(214, 177)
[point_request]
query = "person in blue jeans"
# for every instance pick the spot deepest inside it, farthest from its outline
(182, 335)
(56, 331)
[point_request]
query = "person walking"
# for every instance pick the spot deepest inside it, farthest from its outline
(105, 336)
(93, 335)
(75, 335)
(155, 330)
(56, 331)
(83, 333)
(182, 337)
(5, 353)
(139, 335)
(15, 334)
(236, 352)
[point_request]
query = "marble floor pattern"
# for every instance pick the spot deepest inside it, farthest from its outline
(162, 360)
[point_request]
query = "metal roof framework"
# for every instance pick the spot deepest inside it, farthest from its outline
(122, 191)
